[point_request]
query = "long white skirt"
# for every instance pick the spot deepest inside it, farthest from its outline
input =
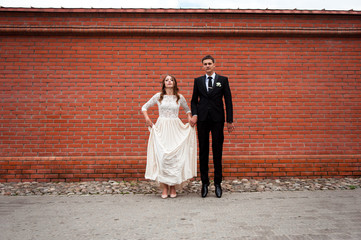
(172, 152)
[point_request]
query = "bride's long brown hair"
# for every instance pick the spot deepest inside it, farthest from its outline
(175, 88)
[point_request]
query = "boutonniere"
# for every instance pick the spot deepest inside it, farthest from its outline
(218, 84)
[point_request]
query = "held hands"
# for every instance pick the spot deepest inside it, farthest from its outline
(189, 117)
(193, 120)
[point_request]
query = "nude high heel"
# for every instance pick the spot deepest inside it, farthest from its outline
(164, 196)
(174, 195)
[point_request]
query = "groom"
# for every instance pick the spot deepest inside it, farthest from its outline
(208, 113)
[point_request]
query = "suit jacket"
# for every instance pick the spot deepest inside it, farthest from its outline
(205, 103)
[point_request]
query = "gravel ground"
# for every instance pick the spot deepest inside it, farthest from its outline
(148, 187)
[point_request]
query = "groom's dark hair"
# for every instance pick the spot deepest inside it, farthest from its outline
(208, 57)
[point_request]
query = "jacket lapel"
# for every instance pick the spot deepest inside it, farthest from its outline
(204, 87)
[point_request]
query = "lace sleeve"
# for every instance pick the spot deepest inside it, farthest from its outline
(184, 104)
(151, 102)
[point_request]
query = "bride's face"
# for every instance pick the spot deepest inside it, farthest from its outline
(169, 82)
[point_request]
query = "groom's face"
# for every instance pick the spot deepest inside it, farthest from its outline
(208, 66)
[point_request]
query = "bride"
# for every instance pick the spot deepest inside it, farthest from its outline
(172, 145)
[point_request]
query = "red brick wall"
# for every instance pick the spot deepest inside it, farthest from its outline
(73, 83)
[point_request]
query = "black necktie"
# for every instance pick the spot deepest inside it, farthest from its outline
(209, 84)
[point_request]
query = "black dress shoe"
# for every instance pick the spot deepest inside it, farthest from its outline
(218, 190)
(204, 190)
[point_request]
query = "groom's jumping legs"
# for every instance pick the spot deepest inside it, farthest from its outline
(216, 128)
(217, 148)
(203, 140)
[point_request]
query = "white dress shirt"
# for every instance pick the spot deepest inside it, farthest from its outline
(213, 77)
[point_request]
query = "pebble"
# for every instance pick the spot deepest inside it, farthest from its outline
(150, 187)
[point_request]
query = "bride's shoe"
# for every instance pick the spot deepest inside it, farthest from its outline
(173, 195)
(165, 195)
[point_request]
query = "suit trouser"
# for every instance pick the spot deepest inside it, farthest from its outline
(216, 129)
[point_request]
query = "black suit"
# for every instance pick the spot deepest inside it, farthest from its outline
(209, 108)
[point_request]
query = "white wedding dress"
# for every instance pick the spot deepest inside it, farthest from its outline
(172, 145)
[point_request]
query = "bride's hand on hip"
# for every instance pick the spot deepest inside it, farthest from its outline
(148, 122)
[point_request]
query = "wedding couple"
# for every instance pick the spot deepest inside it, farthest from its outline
(172, 146)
